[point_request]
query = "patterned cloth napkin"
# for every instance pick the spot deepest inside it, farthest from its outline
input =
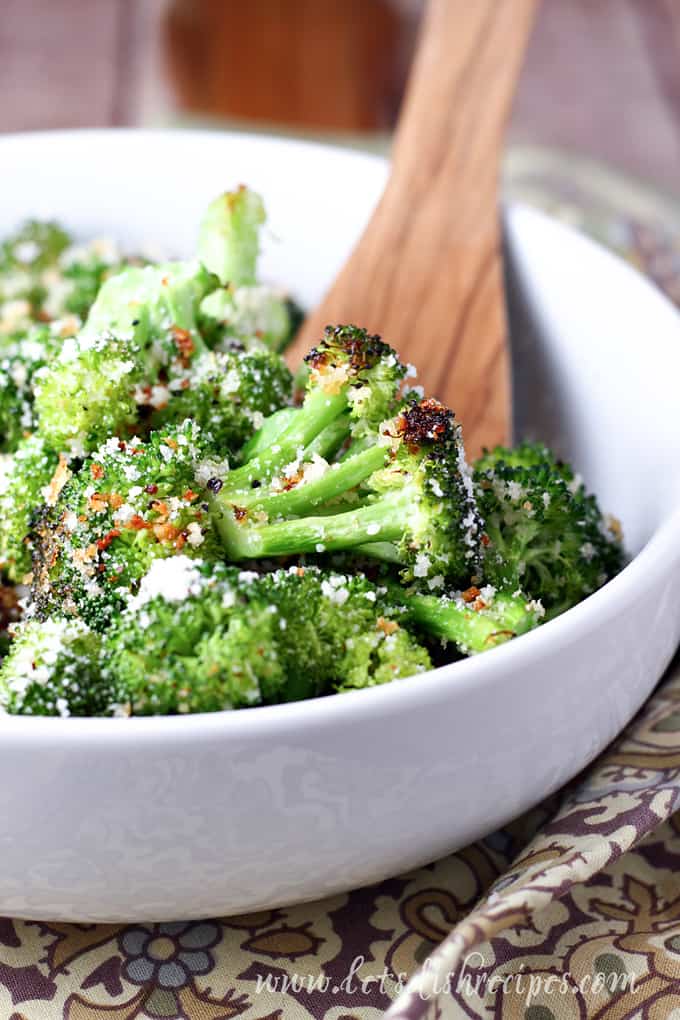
(573, 911)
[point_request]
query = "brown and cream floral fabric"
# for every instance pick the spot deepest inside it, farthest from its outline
(573, 911)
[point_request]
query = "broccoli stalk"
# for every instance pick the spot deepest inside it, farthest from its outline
(474, 620)
(414, 495)
(351, 374)
(229, 236)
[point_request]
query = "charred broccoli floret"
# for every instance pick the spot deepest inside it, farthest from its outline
(25, 485)
(55, 667)
(544, 533)
(415, 504)
(130, 503)
(204, 637)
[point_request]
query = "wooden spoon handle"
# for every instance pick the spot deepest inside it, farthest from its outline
(427, 273)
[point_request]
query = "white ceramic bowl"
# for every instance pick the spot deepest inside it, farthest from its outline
(207, 815)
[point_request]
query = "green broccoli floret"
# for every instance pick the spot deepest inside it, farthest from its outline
(130, 503)
(144, 320)
(20, 360)
(43, 276)
(55, 667)
(229, 236)
(544, 534)
(26, 478)
(475, 619)
(205, 637)
(415, 503)
(88, 393)
(226, 392)
(26, 259)
(35, 245)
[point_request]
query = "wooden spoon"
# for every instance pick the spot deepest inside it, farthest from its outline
(427, 272)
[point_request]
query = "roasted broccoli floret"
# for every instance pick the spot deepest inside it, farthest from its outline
(26, 478)
(43, 276)
(20, 361)
(228, 393)
(544, 533)
(25, 259)
(475, 619)
(415, 504)
(130, 503)
(204, 637)
(55, 667)
(143, 320)
(88, 393)
(34, 246)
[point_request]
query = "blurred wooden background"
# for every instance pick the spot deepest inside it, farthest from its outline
(602, 77)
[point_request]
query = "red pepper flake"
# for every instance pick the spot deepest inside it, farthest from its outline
(97, 471)
(105, 542)
(386, 626)
(183, 342)
(151, 489)
(172, 443)
(137, 523)
(189, 496)
(240, 512)
(485, 540)
(471, 594)
(165, 532)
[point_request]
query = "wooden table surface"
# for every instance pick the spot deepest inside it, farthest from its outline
(602, 77)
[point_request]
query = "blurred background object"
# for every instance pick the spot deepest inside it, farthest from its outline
(602, 77)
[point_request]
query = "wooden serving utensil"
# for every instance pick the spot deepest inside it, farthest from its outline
(427, 272)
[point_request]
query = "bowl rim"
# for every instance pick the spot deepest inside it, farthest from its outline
(649, 565)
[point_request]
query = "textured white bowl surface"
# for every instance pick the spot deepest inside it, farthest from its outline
(155, 819)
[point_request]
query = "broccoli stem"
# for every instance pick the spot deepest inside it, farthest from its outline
(472, 630)
(382, 521)
(337, 480)
(318, 410)
(272, 427)
(330, 439)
